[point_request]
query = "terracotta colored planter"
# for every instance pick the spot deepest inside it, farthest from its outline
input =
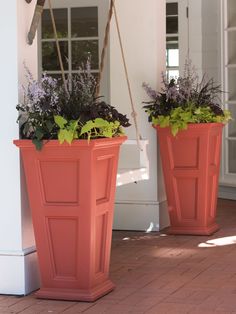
(71, 190)
(191, 162)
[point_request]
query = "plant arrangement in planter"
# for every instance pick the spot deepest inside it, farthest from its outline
(51, 112)
(189, 121)
(70, 142)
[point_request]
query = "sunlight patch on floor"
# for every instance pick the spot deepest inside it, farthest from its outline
(219, 242)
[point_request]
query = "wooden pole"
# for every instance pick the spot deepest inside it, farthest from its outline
(36, 19)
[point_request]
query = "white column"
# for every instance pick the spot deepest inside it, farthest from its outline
(211, 39)
(183, 12)
(195, 34)
(139, 206)
(18, 263)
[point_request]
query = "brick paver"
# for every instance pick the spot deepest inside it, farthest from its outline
(158, 273)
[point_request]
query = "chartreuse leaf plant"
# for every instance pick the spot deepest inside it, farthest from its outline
(49, 112)
(71, 130)
(185, 100)
(100, 128)
(68, 130)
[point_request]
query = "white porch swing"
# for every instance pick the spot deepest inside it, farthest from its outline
(140, 170)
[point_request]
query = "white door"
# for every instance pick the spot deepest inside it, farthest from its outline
(228, 175)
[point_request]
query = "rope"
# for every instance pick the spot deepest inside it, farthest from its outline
(133, 113)
(58, 47)
(101, 67)
(105, 44)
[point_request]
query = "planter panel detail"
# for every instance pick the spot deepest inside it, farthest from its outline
(71, 192)
(191, 162)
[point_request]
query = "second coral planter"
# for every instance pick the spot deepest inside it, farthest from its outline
(191, 162)
(71, 191)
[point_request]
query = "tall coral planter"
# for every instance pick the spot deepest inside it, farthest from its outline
(191, 162)
(71, 192)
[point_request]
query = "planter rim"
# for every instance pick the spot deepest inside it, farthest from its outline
(195, 125)
(101, 142)
(192, 127)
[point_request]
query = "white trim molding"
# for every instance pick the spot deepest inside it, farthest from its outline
(23, 252)
(19, 272)
(227, 192)
(146, 216)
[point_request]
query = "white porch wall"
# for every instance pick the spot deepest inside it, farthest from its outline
(142, 24)
(18, 265)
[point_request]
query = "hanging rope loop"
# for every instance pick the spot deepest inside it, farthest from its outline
(102, 63)
(101, 68)
(133, 113)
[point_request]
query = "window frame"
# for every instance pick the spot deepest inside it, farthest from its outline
(172, 35)
(103, 7)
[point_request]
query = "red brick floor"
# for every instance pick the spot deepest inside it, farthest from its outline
(157, 273)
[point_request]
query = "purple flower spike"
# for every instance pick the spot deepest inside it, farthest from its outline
(151, 92)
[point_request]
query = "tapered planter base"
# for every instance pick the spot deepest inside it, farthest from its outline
(76, 295)
(209, 230)
(71, 190)
(191, 162)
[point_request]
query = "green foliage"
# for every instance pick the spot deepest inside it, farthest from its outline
(185, 100)
(179, 118)
(73, 129)
(60, 121)
(51, 112)
(38, 129)
(101, 128)
(38, 143)
(68, 129)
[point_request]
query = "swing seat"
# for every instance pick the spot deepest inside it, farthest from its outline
(136, 168)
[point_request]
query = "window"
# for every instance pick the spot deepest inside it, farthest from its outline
(172, 40)
(77, 30)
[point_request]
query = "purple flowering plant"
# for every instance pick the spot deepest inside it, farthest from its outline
(185, 100)
(49, 111)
